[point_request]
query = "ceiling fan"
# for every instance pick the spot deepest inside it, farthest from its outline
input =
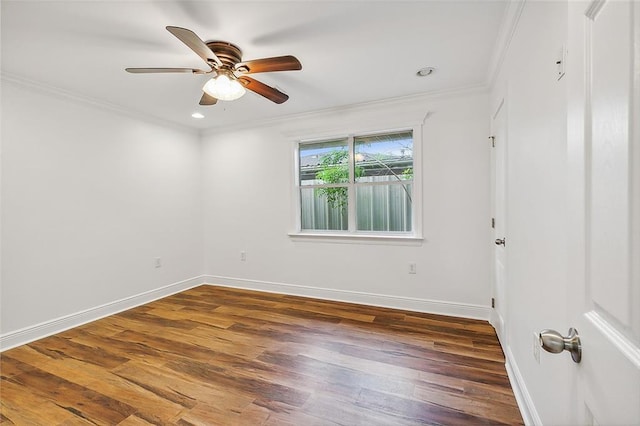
(230, 77)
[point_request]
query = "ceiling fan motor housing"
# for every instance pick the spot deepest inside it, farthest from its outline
(228, 53)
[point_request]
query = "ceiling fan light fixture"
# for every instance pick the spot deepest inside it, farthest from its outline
(224, 88)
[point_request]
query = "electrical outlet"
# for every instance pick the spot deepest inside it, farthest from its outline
(243, 256)
(536, 347)
(412, 268)
(157, 262)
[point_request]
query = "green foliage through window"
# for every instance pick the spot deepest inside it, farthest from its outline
(375, 195)
(334, 168)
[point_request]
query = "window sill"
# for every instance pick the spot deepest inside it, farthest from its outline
(356, 238)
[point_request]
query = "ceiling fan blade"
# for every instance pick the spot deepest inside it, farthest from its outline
(164, 70)
(263, 90)
(278, 63)
(207, 99)
(194, 43)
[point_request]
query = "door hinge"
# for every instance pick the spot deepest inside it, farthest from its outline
(493, 222)
(493, 302)
(493, 141)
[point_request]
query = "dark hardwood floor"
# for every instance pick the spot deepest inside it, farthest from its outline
(220, 356)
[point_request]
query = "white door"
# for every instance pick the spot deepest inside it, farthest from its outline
(499, 142)
(604, 208)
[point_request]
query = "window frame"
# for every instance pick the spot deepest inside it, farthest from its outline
(352, 234)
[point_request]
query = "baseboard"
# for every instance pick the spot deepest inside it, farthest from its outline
(497, 322)
(47, 328)
(523, 398)
(387, 301)
(39, 331)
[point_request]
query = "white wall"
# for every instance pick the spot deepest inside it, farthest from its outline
(248, 203)
(536, 204)
(89, 199)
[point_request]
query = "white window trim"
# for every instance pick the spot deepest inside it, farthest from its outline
(354, 235)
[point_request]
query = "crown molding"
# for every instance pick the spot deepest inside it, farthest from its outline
(42, 88)
(351, 108)
(57, 92)
(508, 27)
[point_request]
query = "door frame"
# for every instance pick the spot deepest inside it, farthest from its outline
(498, 321)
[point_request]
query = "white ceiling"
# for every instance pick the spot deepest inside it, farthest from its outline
(351, 51)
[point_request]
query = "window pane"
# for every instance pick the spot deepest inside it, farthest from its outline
(324, 208)
(324, 162)
(384, 158)
(384, 207)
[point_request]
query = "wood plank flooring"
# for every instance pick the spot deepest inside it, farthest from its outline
(220, 356)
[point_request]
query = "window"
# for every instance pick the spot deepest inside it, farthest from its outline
(357, 185)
